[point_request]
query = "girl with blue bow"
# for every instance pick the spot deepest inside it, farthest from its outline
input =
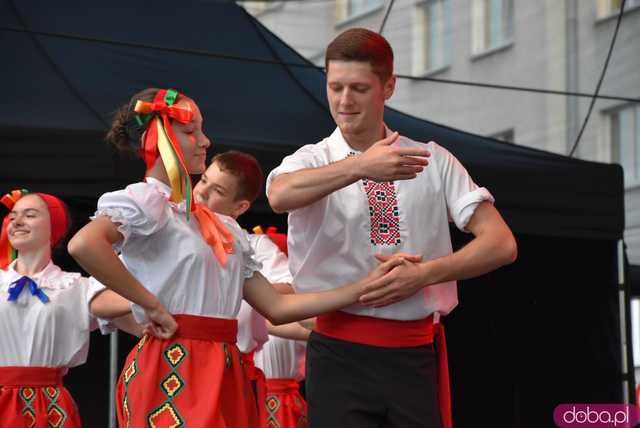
(46, 314)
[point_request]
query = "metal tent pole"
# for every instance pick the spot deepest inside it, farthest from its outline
(113, 376)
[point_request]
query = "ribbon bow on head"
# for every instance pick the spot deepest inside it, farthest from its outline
(18, 285)
(161, 139)
(7, 252)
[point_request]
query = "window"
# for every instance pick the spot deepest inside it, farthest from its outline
(625, 139)
(491, 24)
(431, 36)
(508, 135)
(347, 9)
(606, 8)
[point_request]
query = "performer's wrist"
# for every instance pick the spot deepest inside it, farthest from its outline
(356, 167)
(432, 271)
(150, 303)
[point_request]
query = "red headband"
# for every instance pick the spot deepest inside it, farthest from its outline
(57, 215)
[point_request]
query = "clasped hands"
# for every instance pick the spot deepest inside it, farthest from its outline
(396, 277)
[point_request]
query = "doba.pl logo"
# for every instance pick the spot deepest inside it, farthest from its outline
(596, 415)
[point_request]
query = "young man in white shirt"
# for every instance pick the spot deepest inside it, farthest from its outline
(362, 194)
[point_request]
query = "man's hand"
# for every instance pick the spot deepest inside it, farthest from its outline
(382, 162)
(404, 280)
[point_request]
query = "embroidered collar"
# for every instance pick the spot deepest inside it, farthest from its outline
(51, 277)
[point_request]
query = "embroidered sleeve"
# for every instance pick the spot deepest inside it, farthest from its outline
(140, 210)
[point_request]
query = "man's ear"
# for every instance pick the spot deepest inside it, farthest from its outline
(389, 87)
(241, 207)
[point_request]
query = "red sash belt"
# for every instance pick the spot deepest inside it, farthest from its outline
(282, 386)
(255, 374)
(14, 376)
(206, 328)
(394, 334)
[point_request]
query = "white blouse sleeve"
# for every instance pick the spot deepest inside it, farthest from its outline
(140, 210)
(250, 263)
(275, 265)
(462, 195)
(95, 287)
(304, 157)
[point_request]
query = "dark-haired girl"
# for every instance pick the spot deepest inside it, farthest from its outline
(186, 270)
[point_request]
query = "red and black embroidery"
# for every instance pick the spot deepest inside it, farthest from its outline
(383, 212)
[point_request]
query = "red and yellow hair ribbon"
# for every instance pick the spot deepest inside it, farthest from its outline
(7, 252)
(160, 139)
(57, 215)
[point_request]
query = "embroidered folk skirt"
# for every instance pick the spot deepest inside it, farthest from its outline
(34, 397)
(194, 379)
(285, 406)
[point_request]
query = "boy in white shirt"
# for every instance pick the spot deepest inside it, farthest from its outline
(229, 186)
(365, 193)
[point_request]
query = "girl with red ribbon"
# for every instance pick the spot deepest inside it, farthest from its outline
(46, 314)
(186, 271)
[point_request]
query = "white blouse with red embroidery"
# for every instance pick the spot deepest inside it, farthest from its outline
(333, 241)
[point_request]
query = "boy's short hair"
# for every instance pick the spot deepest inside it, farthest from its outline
(362, 45)
(245, 168)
